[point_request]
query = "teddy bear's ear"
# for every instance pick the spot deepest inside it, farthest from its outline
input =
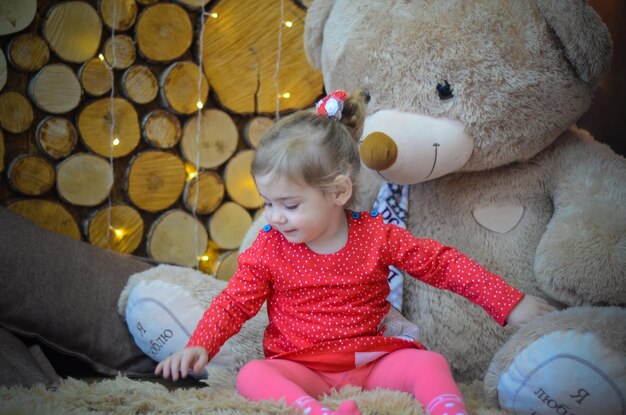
(316, 17)
(582, 33)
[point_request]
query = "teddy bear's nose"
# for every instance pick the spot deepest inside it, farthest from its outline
(378, 151)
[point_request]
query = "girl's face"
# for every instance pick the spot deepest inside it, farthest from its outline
(302, 213)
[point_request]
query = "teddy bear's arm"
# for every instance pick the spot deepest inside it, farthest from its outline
(581, 257)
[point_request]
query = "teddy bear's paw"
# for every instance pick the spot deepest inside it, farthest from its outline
(568, 373)
(161, 317)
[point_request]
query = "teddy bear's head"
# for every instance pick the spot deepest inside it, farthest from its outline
(459, 85)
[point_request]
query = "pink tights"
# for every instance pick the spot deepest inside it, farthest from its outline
(424, 374)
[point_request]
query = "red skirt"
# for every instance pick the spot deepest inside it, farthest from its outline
(346, 354)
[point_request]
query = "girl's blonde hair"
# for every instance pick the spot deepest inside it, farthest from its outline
(312, 148)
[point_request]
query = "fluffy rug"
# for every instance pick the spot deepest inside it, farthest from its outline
(125, 396)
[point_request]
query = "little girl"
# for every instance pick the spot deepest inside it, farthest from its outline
(323, 271)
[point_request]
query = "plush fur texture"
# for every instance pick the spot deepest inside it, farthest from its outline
(522, 73)
(125, 396)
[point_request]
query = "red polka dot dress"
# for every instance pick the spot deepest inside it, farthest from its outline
(325, 309)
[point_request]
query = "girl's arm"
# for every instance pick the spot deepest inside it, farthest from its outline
(241, 300)
(445, 267)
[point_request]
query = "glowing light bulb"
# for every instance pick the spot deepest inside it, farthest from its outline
(116, 141)
(208, 260)
(286, 95)
(101, 57)
(213, 15)
(199, 104)
(191, 171)
(118, 232)
(288, 23)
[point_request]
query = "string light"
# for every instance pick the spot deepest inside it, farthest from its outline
(289, 23)
(116, 141)
(276, 69)
(112, 112)
(193, 174)
(286, 95)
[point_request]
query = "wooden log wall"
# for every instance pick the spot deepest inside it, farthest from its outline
(131, 124)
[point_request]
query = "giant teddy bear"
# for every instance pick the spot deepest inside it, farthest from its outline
(472, 107)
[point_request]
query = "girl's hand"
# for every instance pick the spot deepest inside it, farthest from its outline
(529, 308)
(194, 358)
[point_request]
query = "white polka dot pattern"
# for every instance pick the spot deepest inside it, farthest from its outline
(340, 298)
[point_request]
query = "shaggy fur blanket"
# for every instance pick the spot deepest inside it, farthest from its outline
(125, 396)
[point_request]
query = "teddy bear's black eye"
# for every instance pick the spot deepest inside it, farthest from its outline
(444, 90)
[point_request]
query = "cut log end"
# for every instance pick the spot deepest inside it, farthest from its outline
(228, 225)
(94, 125)
(49, 215)
(184, 87)
(28, 52)
(119, 51)
(177, 237)
(239, 181)
(204, 193)
(118, 14)
(119, 228)
(16, 15)
(55, 89)
(73, 30)
(16, 112)
(163, 32)
(31, 175)
(255, 129)
(139, 84)
(84, 179)
(56, 137)
(161, 129)
(96, 77)
(214, 143)
(155, 180)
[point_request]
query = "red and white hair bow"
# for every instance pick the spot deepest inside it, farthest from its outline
(332, 104)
